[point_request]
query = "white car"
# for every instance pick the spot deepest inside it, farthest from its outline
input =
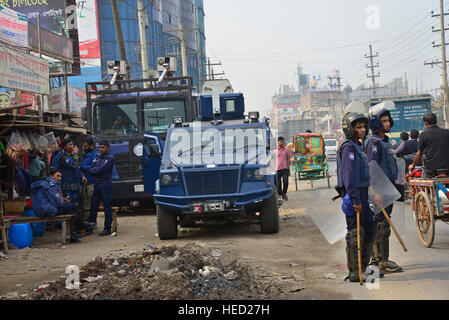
(330, 146)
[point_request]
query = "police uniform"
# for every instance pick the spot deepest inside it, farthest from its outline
(47, 201)
(71, 176)
(88, 188)
(381, 150)
(101, 169)
(354, 178)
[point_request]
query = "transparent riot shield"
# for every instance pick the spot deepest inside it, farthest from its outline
(327, 215)
(382, 192)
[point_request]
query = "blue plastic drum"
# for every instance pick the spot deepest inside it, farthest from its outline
(21, 235)
(38, 228)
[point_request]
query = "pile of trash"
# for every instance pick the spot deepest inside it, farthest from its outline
(168, 272)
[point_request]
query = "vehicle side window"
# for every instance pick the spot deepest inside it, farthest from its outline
(152, 147)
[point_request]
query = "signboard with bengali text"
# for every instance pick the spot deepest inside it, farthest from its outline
(23, 72)
(13, 27)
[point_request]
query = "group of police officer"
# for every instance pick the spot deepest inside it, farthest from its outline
(354, 178)
(70, 181)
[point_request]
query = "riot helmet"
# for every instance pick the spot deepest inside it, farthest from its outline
(375, 113)
(349, 121)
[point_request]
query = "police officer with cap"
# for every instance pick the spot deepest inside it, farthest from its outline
(101, 169)
(379, 149)
(353, 183)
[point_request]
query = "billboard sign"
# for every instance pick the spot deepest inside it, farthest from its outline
(13, 27)
(23, 72)
(53, 12)
(88, 33)
(57, 16)
(52, 44)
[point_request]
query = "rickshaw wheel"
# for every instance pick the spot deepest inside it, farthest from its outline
(425, 223)
(311, 183)
(328, 179)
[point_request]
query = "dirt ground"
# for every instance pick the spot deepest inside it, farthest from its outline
(296, 263)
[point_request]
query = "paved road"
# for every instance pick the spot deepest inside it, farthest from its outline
(426, 270)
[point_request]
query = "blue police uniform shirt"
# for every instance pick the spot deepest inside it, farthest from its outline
(354, 169)
(102, 167)
(46, 197)
(380, 150)
(86, 162)
(71, 172)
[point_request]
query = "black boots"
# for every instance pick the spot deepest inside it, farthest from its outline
(381, 248)
(105, 232)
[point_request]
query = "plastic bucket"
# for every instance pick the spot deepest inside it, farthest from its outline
(21, 235)
(38, 228)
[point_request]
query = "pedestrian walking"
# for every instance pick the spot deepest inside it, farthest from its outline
(353, 182)
(101, 169)
(282, 168)
(379, 149)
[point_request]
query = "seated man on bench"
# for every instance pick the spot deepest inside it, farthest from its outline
(48, 201)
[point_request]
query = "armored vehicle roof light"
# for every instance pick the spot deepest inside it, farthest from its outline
(253, 116)
(216, 122)
(177, 121)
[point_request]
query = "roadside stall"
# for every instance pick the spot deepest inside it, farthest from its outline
(21, 138)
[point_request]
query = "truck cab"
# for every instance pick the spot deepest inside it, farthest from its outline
(218, 168)
(135, 119)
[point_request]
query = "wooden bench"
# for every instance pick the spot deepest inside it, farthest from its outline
(115, 211)
(7, 222)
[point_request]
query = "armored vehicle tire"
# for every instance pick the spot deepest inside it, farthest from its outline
(167, 224)
(269, 215)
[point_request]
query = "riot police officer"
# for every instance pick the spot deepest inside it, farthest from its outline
(101, 169)
(72, 177)
(379, 149)
(354, 180)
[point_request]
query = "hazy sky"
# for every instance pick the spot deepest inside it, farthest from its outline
(260, 42)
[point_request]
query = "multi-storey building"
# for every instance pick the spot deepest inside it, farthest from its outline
(163, 35)
(286, 106)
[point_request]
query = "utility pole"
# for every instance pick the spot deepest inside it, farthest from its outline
(183, 50)
(338, 85)
(372, 66)
(143, 41)
(119, 33)
(443, 62)
(210, 69)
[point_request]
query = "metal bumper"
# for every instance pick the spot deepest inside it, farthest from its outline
(241, 200)
(123, 190)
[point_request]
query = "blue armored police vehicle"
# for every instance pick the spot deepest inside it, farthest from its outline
(217, 169)
(134, 115)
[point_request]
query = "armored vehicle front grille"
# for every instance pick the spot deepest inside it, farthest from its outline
(211, 182)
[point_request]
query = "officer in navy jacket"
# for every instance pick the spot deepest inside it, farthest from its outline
(354, 179)
(48, 201)
(101, 169)
(379, 149)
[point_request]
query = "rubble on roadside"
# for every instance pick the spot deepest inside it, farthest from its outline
(170, 272)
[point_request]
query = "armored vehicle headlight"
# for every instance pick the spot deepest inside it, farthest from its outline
(258, 174)
(165, 179)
